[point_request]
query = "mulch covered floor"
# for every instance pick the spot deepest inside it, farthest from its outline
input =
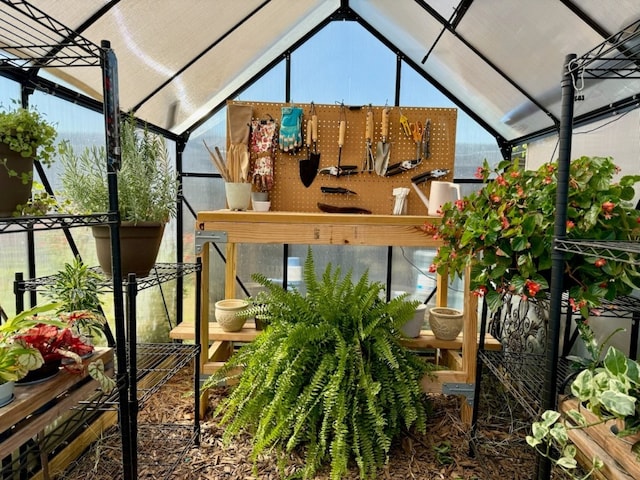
(443, 453)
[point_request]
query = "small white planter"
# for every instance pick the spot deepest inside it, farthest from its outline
(412, 328)
(238, 195)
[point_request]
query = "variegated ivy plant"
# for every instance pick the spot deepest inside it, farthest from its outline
(611, 391)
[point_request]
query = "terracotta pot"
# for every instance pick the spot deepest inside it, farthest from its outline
(139, 246)
(446, 323)
(14, 192)
(226, 314)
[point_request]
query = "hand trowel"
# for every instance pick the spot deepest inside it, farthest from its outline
(309, 166)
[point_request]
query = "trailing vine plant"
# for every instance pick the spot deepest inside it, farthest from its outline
(328, 376)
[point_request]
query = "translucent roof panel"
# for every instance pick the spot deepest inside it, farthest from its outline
(500, 60)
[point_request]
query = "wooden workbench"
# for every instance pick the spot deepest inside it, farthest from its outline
(232, 228)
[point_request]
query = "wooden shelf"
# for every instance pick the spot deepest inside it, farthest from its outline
(185, 331)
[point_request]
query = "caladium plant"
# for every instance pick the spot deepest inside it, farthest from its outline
(55, 343)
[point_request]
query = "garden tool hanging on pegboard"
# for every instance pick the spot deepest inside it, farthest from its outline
(264, 134)
(309, 166)
(238, 124)
(338, 170)
(369, 157)
(383, 149)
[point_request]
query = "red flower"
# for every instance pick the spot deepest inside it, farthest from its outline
(608, 207)
(532, 287)
(570, 224)
(601, 262)
(480, 291)
(479, 173)
(501, 181)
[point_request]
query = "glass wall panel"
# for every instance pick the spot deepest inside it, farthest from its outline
(343, 63)
(473, 142)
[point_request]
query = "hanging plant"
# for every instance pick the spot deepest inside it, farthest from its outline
(505, 233)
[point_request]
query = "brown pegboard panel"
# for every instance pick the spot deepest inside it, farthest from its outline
(374, 192)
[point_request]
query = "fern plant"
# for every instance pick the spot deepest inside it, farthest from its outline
(328, 374)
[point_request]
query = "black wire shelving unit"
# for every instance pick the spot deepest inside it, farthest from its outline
(33, 40)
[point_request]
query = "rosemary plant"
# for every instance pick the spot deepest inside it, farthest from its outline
(328, 374)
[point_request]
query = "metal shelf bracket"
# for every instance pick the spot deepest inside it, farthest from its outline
(203, 237)
(467, 390)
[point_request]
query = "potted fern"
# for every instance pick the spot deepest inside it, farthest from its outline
(327, 376)
(25, 136)
(147, 194)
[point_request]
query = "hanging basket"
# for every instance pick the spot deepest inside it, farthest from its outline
(139, 246)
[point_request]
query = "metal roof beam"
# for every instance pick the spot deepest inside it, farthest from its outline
(451, 29)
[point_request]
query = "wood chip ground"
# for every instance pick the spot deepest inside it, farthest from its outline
(442, 454)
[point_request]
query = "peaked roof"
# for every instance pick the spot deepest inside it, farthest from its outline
(500, 60)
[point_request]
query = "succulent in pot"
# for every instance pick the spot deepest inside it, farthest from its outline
(25, 136)
(147, 193)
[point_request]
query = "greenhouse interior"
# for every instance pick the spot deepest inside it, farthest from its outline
(322, 239)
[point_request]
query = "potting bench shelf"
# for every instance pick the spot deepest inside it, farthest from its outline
(426, 340)
(233, 227)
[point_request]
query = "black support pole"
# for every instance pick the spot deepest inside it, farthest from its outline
(112, 133)
(557, 257)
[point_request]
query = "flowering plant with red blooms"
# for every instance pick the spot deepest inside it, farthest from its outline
(55, 343)
(505, 232)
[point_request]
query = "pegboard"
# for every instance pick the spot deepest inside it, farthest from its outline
(373, 192)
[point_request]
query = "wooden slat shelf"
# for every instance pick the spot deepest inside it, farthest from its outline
(37, 406)
(185, 331)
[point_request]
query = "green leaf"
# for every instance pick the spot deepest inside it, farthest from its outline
(567, 462)
(615, 362)
(559, 432)
(533, 441)
(549, 417)
(582, 386)
(519, 243)
(618, 403)
(577, 418)
(539, 430)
